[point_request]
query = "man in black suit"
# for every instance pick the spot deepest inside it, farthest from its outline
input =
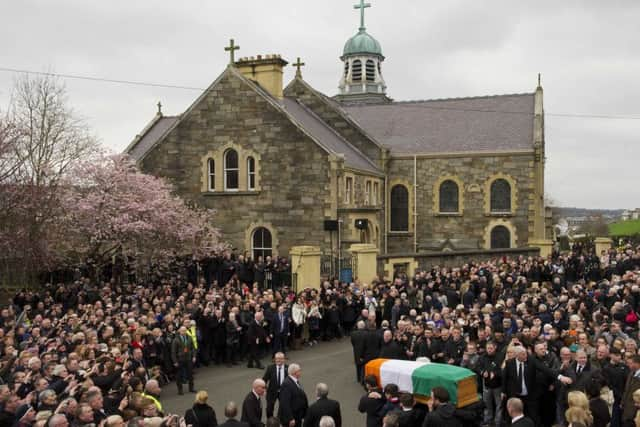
(519, 379)
(371, 345)
(256, 336)
(390, 349)
(323, 406)
(231, 412)
(280, 330)
(410, 415)
(252, 406)
(372, 402)
(292, 399)
(358, 341)
(583, 371)
(515, 410)
(274, 375)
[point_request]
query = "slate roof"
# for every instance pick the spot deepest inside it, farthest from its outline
(301, 116)
(327, 136)
(150, 136)
(492, 123)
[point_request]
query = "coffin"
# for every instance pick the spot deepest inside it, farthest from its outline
(419, 378)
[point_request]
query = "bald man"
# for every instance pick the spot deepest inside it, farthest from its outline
(256, 337)
(252, 405)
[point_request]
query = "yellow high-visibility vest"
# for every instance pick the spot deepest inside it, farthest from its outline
(192, 334)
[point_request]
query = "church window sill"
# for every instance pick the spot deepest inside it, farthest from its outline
(230, 193)
(401, 233)
(499, 214)
(446, 214)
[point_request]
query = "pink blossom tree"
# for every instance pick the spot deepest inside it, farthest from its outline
(112, 208)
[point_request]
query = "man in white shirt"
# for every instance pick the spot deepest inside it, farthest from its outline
(274, 375)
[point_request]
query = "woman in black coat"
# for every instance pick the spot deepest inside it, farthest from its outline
(201, 414)
(597, 405)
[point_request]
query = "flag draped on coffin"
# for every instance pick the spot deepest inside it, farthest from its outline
(420, 377)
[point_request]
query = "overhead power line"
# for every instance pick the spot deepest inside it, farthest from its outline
(100, 79)
(414, 104)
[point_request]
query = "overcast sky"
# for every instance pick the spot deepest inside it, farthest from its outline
(587, 51)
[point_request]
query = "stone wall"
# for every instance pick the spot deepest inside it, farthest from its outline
(293, 196)
(468, 229)
(426, 261)
(329, 114)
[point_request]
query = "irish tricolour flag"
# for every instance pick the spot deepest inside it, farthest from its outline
(420, 377)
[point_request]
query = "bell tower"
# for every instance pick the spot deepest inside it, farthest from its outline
(362, 80)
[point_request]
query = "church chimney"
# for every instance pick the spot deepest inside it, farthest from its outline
(266, 70)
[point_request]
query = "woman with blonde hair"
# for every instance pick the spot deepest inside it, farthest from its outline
(577, 399)
(578, 411)
(201, 414)
(575, 415)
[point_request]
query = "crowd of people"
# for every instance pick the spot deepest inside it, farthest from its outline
(556, 339)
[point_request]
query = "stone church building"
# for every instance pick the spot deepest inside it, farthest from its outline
(286, 166)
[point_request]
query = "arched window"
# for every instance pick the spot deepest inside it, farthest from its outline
(448, 197)
(261, 243)
(356, 71)
(251, 173)
(231, 170)
(371, 70)
(346, 69)
(500, 237)
(500, 196)
(399, 208)
(211, 174)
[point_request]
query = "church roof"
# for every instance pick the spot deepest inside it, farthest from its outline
(154, 131)
(322, 134)
(482, 124)
(327, 136)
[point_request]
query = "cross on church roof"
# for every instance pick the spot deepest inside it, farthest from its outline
(159, 108)
(231, 49)
(298, 64)
(362, 7)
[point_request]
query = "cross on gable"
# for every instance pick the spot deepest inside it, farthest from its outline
(298, 64)
(231, 49)
(362, 6)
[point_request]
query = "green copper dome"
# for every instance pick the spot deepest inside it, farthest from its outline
(362, 43)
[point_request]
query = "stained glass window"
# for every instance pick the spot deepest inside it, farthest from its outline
(399, 208)
(449, 196)
(500, 196)
(211, 172)
(231, 170)
(251, 173)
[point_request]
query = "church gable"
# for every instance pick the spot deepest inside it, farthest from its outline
(330, 112)
(238, 151)
(232, 113)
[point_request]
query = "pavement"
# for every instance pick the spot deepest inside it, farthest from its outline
(328, 362)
